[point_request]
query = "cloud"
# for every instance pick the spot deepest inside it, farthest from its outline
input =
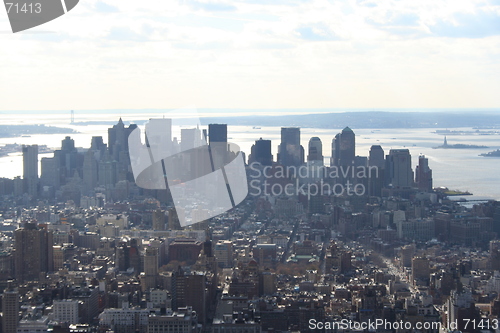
(125, 34)
(395, 20)
(210, 6)
(467, 25)
(203, 46)
(103, 7)
(316, 32)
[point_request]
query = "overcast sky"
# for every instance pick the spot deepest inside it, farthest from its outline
(256, 54)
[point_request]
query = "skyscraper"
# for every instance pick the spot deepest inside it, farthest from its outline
(377, 157)
(50, 172)
(315, 150)
(10, 309)
(30, 169)
(90, 168)
(347, 147)
(398, 171)
(261, 152)
(34, 252)
(217, 133)
(290, 152)
(334, 159)
(190, 138)
(217, 137)
(376, 163)
(423, 174)
(150, 268)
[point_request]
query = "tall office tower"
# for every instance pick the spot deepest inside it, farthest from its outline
(173, 220)
(398, 170)
(423, 174)
(67, 157)
(315, 150)
(190, 138)
(261, 152)
(34, 252)
(90, 169)
(376, 176)
(98, 146)
(377, 157)
(116, 138)
(50, 172)
(347, 147)
(334, 159)
(159, 219)
(290, 152)
(217, 136)
(68, 144)
(159, 136)
(217, 133)
(149, 280)
(97, 143)
(10, 309)
(495, 255)
(30, 169)
(190, 290)
(106, 171)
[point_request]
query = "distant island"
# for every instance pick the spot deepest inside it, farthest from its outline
(445, 145)
(495, 153)
(461, 132)
(17, 148)
(10, 131)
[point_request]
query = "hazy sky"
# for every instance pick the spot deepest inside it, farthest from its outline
(256, 54)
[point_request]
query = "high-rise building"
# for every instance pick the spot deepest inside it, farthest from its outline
(423, 174)
(190, 138)
(33, 254)
(217, 133)
(68, 144)
(315, 150)
(97, 144)
(190, 290)
(334, 159)
(50, 172)
(376, 169)
(217, 136)
(398, 170)
(30, 169)
(377, 157)
(159, 136)
(90, 168)
(290, 152)
(347, 147)
(106, 174)
(159, 219)
(223, 253)
(261, 152)
(149, 280)
(10, 309)
(116, 137)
